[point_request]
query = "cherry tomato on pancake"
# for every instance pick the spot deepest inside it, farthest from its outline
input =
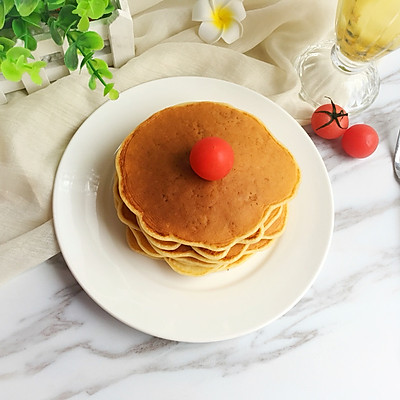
(211, 158)
(360, 141)
(329, 121)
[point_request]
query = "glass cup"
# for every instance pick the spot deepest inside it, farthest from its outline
(345, 70)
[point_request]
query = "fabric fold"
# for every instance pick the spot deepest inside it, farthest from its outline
(36, 129)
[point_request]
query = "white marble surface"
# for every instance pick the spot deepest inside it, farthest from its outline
(341, 341)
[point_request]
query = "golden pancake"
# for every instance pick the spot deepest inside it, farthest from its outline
(184, 252)
(275, 229)
(129, 218)
(147, 246)
(188, 265)
(125, 215)
(134, 245)
(172, 203)
(197, 226)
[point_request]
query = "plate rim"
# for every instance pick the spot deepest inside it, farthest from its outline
(116, 314)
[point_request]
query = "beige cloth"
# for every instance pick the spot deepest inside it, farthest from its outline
(35, 129)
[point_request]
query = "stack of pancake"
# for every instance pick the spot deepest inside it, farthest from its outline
(200, 226)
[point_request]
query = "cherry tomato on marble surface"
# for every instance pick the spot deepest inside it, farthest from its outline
(360, 141)
(211, 158)
(329, 121)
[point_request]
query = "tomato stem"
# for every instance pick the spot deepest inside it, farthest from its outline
(334, 115)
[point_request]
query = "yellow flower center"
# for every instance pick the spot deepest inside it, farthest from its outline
(222, 17)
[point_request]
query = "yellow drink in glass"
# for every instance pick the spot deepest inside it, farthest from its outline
(367, 29)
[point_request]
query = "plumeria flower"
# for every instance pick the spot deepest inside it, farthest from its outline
(219, 19)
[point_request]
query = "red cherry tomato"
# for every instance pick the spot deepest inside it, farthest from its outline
(360, 141)
(329, 121)
(211, 158)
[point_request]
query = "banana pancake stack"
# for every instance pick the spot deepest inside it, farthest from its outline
(199, 226)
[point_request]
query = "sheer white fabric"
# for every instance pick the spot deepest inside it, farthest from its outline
(35, 129)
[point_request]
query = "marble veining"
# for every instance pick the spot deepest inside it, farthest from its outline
(52, 328)
(349, 217)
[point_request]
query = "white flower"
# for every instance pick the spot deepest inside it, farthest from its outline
(220, 19)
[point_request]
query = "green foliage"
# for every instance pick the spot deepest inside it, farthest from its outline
(71, 57)
(26, 7)
(98, 70)
(5, 44)
(14, 63)
(66, 20)
(6, 6)
(2, 14)
(21, 31)
(55, 4)
(92, 9)
(86, 44)
(112, 93)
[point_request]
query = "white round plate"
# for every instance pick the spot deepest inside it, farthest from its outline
(146, 294)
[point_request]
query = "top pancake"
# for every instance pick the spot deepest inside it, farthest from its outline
(157, 183)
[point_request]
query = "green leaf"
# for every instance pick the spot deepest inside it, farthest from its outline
(85, 59)
(5, 7)
(72, 35)
(15, 53)
(66, 18)
(56, 34)
(83, 24)
(110, 91)
(98, 63)
(6, 43)
(26, 7)
(2, 14)
(109, 9)
(19, 27)
(33, 19)
(82, 8)
(13, 69)
(35, 77)
(92, 82)
(30, 42)
(39, 64)
(42, 8)
(21, 61)
(107, 88)
(55, 4)
(80, 11)
(8, 5)
(113, 95)
(34, 71)
(90, 40)
(97, 8)
(91, 8)
(10, 71)
(14, 13)
(105, 72)
(71, 57)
